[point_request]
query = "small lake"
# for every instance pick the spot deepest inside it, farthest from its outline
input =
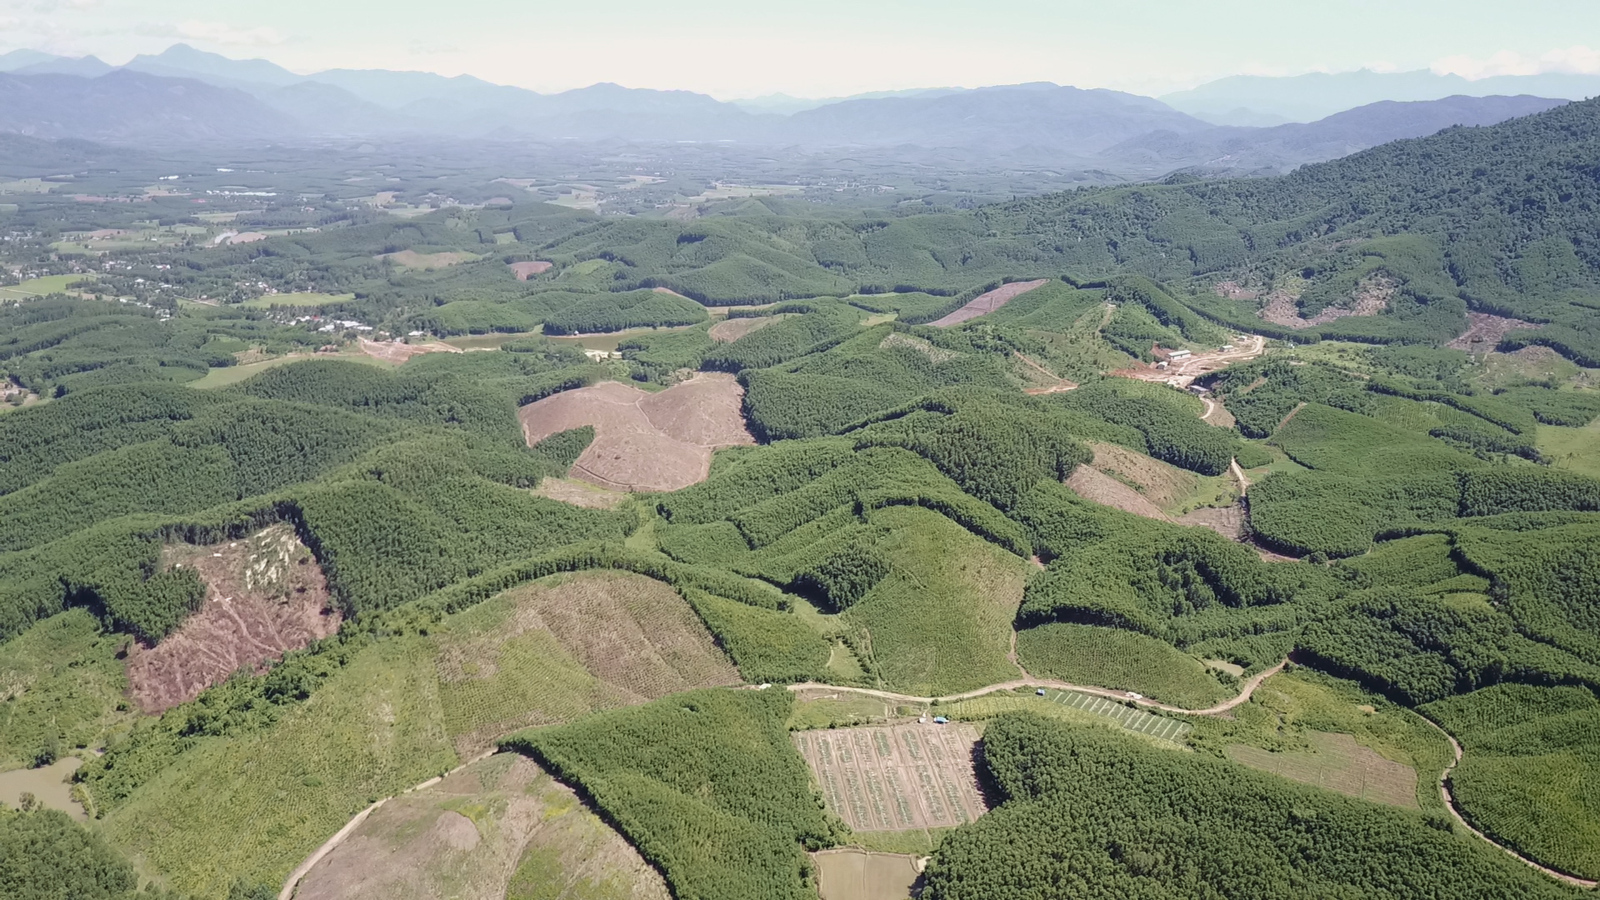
(49, 784)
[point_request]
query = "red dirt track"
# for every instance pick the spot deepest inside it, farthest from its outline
(644, 441)
(988, 303)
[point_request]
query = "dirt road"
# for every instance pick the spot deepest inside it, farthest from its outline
(1248, 688)
(1450, 804)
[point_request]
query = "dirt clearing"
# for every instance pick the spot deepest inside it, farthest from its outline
(265, 595)
(411, 259)
(1228, 521)
(499, 828)
(896, 777)
(580, 493)
(645, 441)
(988, 303)
(1484, 332)
(526, 270)
(851, 874)
(400, 351)
(1161, 483)
(1338, 763)
(1097, 487)
(1183, 372)
(731, 329)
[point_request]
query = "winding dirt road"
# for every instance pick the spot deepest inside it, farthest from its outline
(1450, 804)
(1244, 694)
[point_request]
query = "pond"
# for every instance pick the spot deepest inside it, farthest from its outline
(49, 784)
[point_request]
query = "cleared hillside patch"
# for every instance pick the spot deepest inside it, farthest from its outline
(555, 649)
(265, 595)
(500, 829)
(989, 302)
(645, 441)
(1336, 762)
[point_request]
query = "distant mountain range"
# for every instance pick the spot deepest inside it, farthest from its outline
(1262, 100)
(186, 95)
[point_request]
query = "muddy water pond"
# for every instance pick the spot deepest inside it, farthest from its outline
(48, 784)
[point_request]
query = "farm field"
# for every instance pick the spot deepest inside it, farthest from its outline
(1338, 763)
(1325, 731)
(38, 287)
(896, 777)
(411, 259)
(499, 829)
(1074, 706)
(851, 874)
(645, 441)
(1574, 449)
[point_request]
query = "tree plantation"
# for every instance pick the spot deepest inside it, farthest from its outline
(1224, 597)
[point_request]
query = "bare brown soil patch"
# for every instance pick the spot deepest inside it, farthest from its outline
(400, 351)
(1336, 762)
(732, 329)
(988, 303)
(580, 493)
(411, 259)
(1217, 414)
(1098, 487)
(662, 290)
(896, 777)
(1183, 372)
(465, 837)
(850, 874)
(1484, 331)
(1370, 298)
(644, 441)
(1159, 482)
(526, 270)
(1227, 521)
(265, 595)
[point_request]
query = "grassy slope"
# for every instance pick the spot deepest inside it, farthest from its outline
(941, 622)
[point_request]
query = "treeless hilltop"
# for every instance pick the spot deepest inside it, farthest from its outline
(643, 441)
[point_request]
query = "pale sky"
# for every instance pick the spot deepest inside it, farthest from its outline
(818, 48)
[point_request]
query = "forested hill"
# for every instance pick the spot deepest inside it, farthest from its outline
(1502, 218)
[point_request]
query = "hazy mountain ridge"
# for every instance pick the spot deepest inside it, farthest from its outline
(1247, 99)
(184, 94)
